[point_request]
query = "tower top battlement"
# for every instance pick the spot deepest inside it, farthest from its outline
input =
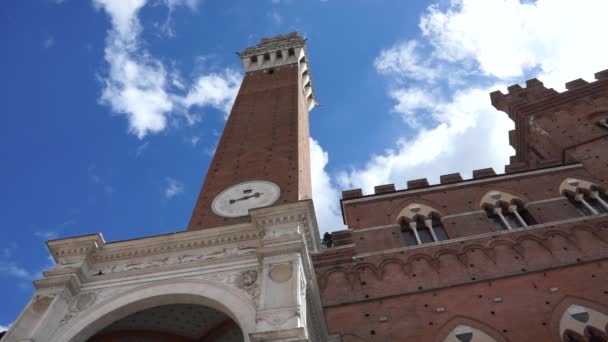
(273, 52)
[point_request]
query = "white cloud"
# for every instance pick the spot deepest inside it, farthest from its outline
(172, 188)
(470, 135)
(324, 193)
(480, 46)
(12, 269)
(276, 16)
(46, 235)
(412, 100)
(141, 149)
(216, 89)
(4, 327)
(558, 39)
(192, 4)
(49, 42)
(138, 85)
(194, 140)
(404, 59)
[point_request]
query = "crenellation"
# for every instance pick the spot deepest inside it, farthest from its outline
(577, 83)
(483, 173)
(350, 194)
(383, 189)
(601, 75)
(450, 178)
(417, 183)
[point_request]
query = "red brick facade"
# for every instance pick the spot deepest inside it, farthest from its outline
(265, 138)
(524, 256)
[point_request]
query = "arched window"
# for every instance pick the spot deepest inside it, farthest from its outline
(506, 211)
(422, 231)
(465, 333)
(580, 323)
(421, 224)
(586, 197)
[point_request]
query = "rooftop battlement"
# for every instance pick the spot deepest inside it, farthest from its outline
(421, 183)
(535, 92)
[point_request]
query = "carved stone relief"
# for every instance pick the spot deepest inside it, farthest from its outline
(280, 273)
(175, 260)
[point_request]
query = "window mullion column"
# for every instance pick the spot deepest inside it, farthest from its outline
(413, 227)
(581, 198)
(513, 209)
(429, 225)
(498, 211)
(600, 200)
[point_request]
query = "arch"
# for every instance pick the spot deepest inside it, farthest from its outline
(506, 210)
(575, 185)
(446, 331)
(389, 261)
(361, 267)
(496, 198)
(234, 303)
(562, 319)
(416, 210)
(587, 197)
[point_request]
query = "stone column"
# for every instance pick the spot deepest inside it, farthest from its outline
(286, 274)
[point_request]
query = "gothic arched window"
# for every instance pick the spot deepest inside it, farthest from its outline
(580, 323)
(506, 211)
(465, 333)
(420, 224)
(422, 231)
(586, 197)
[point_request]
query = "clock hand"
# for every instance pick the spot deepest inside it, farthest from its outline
(256, 195)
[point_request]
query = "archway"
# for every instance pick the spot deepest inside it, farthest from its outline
(232, 303)
(172, 323)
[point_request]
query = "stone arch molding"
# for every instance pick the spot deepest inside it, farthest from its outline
(575, 185)
(233, 303)
(415, 210)
(464, 329)
(495, 198)
(579, 319)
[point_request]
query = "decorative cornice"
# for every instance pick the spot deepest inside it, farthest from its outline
(298, 213)
(159, 248)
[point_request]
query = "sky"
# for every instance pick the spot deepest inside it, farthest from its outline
(112, 108)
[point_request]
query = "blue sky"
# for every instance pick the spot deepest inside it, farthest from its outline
(112, 108)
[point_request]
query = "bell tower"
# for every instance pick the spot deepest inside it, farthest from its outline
(263, 156)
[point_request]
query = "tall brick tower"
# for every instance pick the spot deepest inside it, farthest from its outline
(263, 156)
(242, 271)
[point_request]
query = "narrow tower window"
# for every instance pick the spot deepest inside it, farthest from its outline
(291, 52)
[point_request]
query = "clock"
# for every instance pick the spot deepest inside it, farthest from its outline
(236, 200)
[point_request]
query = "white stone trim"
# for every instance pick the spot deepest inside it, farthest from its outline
(465, 238)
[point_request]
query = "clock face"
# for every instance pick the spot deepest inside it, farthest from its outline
(238, 199)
